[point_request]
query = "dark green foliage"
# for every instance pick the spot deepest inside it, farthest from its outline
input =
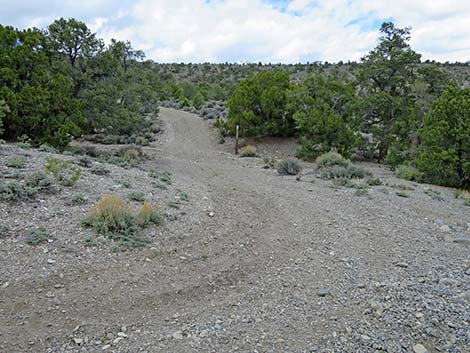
(444, 156)
(38, 97)
(3, 111)
(63, 82)
(386, 76)
(259, 106)
(289, 167)
(325, 116)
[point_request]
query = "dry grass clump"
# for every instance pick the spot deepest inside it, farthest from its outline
(116, 220)
(149, 214)
(248, 151)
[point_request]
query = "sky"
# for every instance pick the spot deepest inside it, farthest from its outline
(285, 31)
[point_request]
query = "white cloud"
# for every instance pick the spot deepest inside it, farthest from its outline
(254, 30)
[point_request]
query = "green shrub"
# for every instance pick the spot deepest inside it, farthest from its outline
(90, 241)
(458, 193)
(84, 150)
(361, 192)
(403, 194)
(16, 162)
(289, 167)
(84, 161)
(136, 196)
(332, 165)
(64, 172)
(78, 199)
(37, 236)
(125, 184)
(443, 155)
(260, 106)
(374, 181)
(42, 182)
(248, 151)
(434, 194)
(408, 172)
(48, 149)
(164, 177)
(14, 191)
(4, 231)
(184, 196)
(351, 171)
(100, 170)
(270, 161)
(159, 185)
(358, 186)
(402, 187)
(331, 159)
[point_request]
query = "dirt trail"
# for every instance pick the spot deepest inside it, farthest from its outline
(257, 263)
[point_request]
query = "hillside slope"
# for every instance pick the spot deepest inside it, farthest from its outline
(252, 262)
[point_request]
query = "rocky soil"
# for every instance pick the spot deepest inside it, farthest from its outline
(246, 260)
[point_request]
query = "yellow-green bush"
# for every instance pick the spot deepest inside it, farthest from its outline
(116, 220)
(248, 151)
(149, 214)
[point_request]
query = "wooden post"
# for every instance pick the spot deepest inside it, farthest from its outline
(236, 141)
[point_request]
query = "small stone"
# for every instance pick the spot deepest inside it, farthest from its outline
(105, 347)
(204, 333)
(78, 340)
(401, 264)
(122, 334)
(323, 292)
(117, 340)
(444, 228)
(50, 261)
(6, 284)
(365, 338)
(211, 214)
(178, 335)
(419, 348)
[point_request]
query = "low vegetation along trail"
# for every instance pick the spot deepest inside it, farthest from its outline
(261, 263)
